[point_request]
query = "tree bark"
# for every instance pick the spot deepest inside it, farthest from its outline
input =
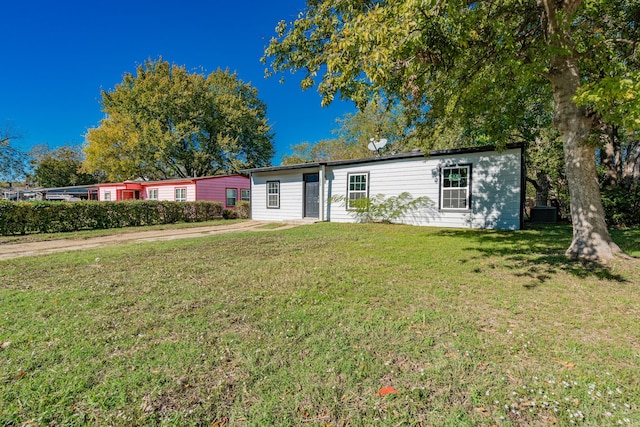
(542, 185)
(542, 191)
(611, 156)
(591, 238)
(631, 171)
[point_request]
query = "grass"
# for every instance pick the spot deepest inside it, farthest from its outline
(86, 234)
(305, 326)
(272, 225)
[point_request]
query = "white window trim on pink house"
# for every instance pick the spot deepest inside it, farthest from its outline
(211, 188)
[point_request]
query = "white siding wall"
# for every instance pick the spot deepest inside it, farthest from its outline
(168, 192)
(387, 178)
(496, 190)
(103, 190)
(495, 187)
(291, 194)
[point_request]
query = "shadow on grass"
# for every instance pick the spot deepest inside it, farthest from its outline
(537, 251)
(628, 240)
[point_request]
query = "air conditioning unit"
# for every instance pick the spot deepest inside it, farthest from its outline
(544, 215)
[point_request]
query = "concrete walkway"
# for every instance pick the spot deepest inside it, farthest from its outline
(16, 250)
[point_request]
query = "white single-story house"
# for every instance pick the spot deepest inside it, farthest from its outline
(466, 188)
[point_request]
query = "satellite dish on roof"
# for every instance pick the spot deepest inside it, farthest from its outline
(376, 145)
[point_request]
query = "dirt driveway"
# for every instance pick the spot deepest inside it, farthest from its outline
(16, 250)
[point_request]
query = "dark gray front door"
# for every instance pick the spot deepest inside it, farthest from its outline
(311, 195)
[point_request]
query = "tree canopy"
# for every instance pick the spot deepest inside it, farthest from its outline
(470, 65)
(12, 160)
(60, 167)
(354, 131)
(167, 122)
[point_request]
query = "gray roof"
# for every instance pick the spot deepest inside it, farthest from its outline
(414, 154)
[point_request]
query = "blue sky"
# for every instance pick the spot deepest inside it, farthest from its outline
(57, 56)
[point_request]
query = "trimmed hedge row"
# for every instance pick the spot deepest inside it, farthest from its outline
(243, 209)
(52, 217)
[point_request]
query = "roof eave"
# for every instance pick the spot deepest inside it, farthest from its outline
(436, 153)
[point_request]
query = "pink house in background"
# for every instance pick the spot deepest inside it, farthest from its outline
(227, 189)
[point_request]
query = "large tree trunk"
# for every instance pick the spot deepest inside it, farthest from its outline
(631, 171)
(542, 190)
(542, 185)
(611, 156)
(591, 238)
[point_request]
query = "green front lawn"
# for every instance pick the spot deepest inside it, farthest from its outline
(306, 326)
(86, 234)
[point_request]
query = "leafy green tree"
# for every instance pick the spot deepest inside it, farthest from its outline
(323, 150)
(166, 122)
(619, 157)
(545, 167)
(12, 160)
(619, 171)
(470, 63)
(376, 120)
(60, 167)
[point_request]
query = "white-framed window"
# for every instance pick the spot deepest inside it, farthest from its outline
(273, 194)
(455, 187)
(245, 195)
(181, 194)
(107, 196)
(358, 188)
(152, 194)
(232, 196)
